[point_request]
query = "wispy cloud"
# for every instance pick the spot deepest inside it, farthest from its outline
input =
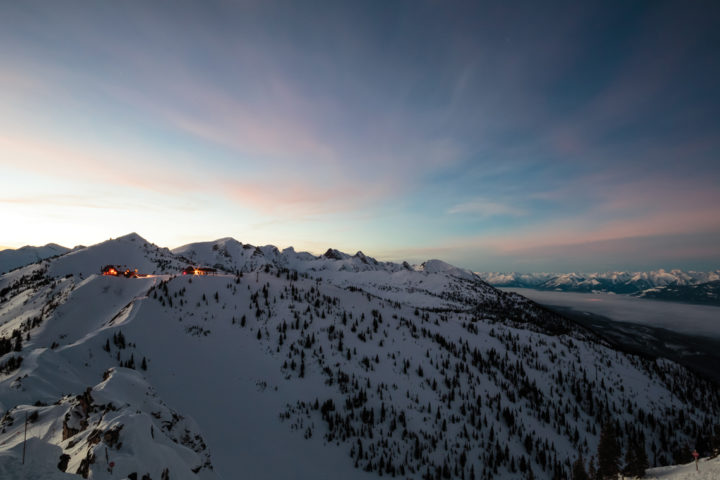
(486, 208)
(516, 132)
(285, 198)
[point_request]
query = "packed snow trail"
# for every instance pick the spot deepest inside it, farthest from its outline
(707, 469)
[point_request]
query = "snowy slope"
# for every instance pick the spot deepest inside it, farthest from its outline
(131, 251)
(11, 259)
(302, 366)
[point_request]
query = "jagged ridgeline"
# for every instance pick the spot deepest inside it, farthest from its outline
(330, 366)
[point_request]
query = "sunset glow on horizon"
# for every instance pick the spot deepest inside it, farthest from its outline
(580, 136)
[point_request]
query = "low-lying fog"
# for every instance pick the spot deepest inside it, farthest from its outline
(680, 317)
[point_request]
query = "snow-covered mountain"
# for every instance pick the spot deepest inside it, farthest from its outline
(11, 259)
(287, 364)
(232, 256)
(515, 279)
(614, 282)
(708, 292)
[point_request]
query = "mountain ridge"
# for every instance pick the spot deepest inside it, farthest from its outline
(290, 363)
(10, 259)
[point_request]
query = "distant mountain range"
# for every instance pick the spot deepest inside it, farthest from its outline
(10, 259)
(673, 285)
(708, 292)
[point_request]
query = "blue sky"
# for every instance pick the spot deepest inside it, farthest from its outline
(521, 136)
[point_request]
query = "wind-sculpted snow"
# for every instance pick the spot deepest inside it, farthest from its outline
(119, 420)
(286, 364)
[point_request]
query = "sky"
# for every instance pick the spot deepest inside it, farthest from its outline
(498, 136)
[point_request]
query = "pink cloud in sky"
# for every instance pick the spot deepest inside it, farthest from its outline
(623, 220)
(251, 135)
(280, 195)
(584, 231)
(611, 238)
(18, 82)
(105, 166)
(278, 127)
(483, 207)
(284, 197)
(290, 132)
(277, 131)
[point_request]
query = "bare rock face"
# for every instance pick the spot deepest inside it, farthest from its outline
(67, 430)
(75, 420)
(111, 436)
(94, 437)
(86, 402)
(332, 254)
(63, 463)
(84, 468)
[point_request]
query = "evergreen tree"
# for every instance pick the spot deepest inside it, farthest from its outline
(630, 461)
(592, 472)
(608, 452)
(642, 457)
(578, 469)
(636, 461)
